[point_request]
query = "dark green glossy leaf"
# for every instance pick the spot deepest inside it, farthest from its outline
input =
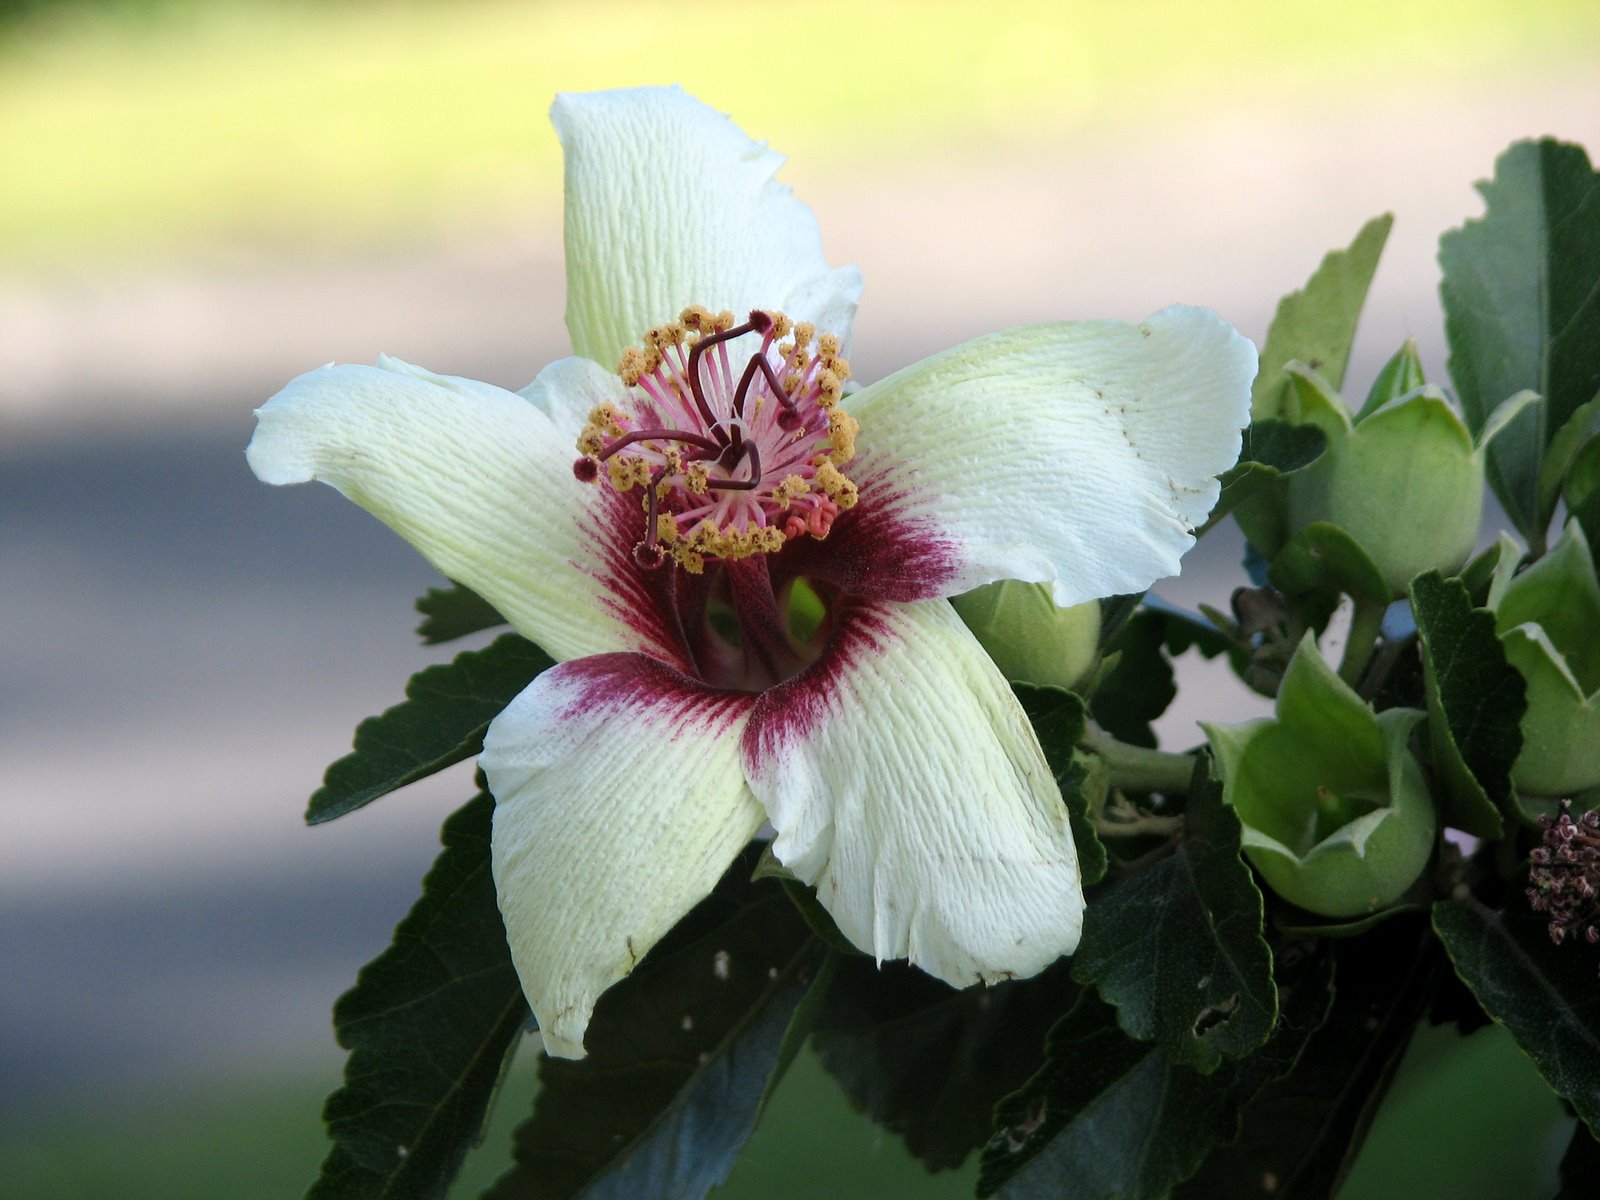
(1546, 995)
(1302, 1132)
(1271, 450)
(1109, 1117)
(1057, 716)
(927, 1062)
(1323, 558)
(1521, 309)
(1177, 946)
(428, 1025)
(1317, 325)
(453, 612)
(1139, 685)
(1476, 701)
(682, 1055)
(442, 721)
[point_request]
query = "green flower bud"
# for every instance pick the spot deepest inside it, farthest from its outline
(1405, 481)
(1336, 813)
(1548, 619)
(1029, 638)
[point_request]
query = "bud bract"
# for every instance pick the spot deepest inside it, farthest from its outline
(1548, 619)
(1335, 810)
(1029, 638)
(1404, 480)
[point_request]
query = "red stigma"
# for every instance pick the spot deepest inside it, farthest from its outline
(586, 470)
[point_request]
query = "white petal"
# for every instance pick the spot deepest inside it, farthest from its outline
(1083, 453)
(669, 204)
(480, 481)
(619, 804)
(905, 782)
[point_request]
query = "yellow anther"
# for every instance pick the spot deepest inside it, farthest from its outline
(696, 318)
(842, 430)
(697, 478)
(725, 321)
(591, 441)
(788, 489)
(828, 345)
(690, 560)
(632, 366)
(803, 333)
(781, 325)
(831, 387)
(666, 528)
(839, 366)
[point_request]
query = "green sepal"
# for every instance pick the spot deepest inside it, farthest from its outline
(1324, 558)
(1581, 430)
(1547, 619)
(442, 721)
(1581, 490)
(1336, 813)
(1400, 376)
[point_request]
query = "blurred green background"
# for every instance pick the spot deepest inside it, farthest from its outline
(199, 200)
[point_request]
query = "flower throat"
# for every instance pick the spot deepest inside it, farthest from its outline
(730, 464)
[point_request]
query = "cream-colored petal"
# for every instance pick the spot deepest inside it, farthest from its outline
(480, 481)
(669, 203)
(1082, 453)
(619, 802)
(905, 782)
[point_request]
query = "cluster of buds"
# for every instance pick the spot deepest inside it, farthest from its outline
(1565, 879)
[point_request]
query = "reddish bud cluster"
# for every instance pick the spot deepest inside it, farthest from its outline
(1565, 875)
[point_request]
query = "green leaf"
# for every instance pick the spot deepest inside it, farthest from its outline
(1057, 717)
(1303, 1131)
(442, 721)
(1109, 1117)
(1317, 325)
(1271, 450)
(1521, 307)
(1476, 701)
(1177, 947)
(1543, 993)
(453, 612)
(1323, 558)
(1138, 685)
(927, 1062)
(428, 1025)
(682, 1055)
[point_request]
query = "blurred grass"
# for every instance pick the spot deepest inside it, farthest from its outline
(131, 132)
(1468, 1119)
